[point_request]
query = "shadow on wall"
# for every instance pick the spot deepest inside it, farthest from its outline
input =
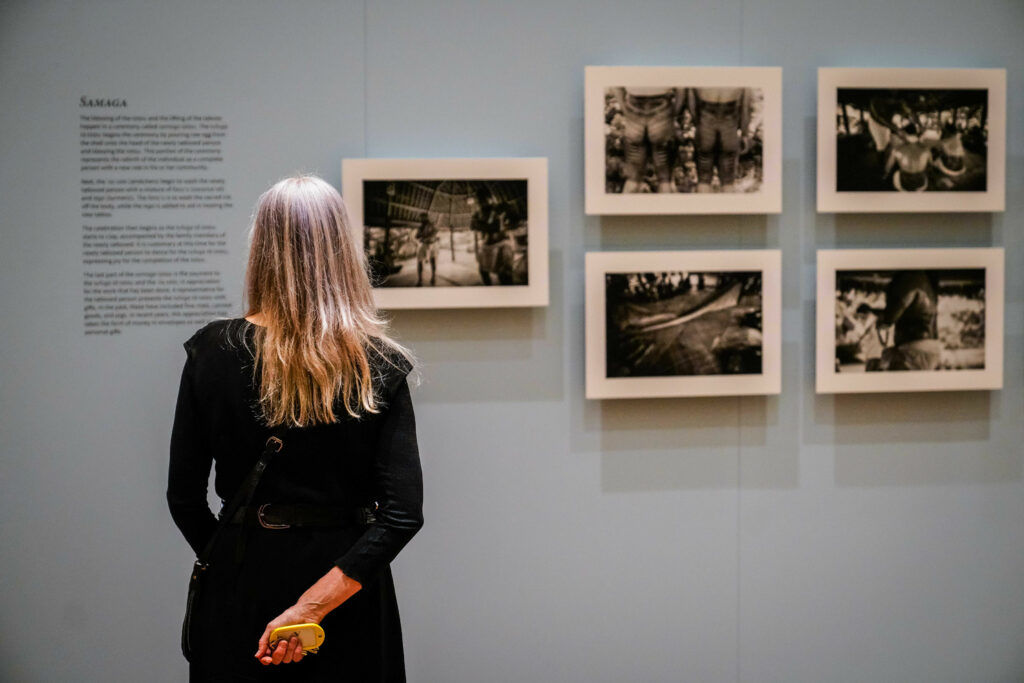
(645, 233)
(667, 444)
(897, 230)
(488, 354)
(668, 423)
(769, 436)
(935, 438)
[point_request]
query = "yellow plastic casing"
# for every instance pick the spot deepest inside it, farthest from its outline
(310, 635)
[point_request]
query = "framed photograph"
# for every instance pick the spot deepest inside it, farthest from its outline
(683, 323)
(892, 140)
(678, 140)
(452, 233)
(909, 320)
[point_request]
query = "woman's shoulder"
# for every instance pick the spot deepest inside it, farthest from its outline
(217, 336)
(389, 366)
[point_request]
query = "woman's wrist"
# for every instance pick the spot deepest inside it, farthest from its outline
(331, 590)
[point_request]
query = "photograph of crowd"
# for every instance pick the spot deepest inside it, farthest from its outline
(446, 233)
(911, 140)
(683, 323)
(667, 139)
(892, 320)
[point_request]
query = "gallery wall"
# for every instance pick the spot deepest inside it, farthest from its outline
(788, 538)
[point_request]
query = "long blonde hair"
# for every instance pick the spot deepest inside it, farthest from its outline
(307, 281)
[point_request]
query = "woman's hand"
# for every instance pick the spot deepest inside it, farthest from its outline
(332, 589)
(285, 651)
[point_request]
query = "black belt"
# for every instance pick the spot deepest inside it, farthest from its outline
(285, 516)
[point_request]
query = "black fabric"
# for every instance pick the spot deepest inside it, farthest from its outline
(351, 463)
(285, 515)
(237, 503)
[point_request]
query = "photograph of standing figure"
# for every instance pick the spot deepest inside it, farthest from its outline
(909, 320)
(665, 140)
(683, 140)
(910, 140)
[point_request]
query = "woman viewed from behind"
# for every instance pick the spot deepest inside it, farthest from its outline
(312, 364)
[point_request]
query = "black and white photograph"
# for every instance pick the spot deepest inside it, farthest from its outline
(437, 239)
(910, 142)
(682, 140)
(906, 320)
(447, 233)
(909, 319)
(682, 323)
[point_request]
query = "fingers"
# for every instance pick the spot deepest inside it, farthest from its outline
(279, 651)
(283, 652)
(294, 651)
(289, 650)
(268, 651)
(276, 654)
(262, 647)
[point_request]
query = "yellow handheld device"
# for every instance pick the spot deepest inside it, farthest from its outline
(311, 636)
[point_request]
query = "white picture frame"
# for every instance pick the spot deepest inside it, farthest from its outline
(984, 162)
(766, 199)
(470, 291)
(685, 311)
(832, 376)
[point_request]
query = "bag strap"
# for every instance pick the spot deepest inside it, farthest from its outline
(244, 493)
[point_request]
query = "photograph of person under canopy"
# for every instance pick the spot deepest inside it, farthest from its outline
(448, 233)
(444, 233)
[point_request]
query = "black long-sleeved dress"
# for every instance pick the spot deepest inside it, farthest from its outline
(254, 578)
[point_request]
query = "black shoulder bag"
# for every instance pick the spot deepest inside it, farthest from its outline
(240, 499)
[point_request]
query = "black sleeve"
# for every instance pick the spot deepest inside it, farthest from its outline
(189, 469)
(399, 483)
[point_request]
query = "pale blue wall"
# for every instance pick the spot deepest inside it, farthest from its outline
(794, 538)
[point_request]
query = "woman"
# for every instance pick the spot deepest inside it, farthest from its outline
(311, 362)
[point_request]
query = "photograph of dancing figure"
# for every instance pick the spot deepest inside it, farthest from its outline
(910, 320)
(683, 140)
(683, 323)
(910, 140)
(446, 233)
